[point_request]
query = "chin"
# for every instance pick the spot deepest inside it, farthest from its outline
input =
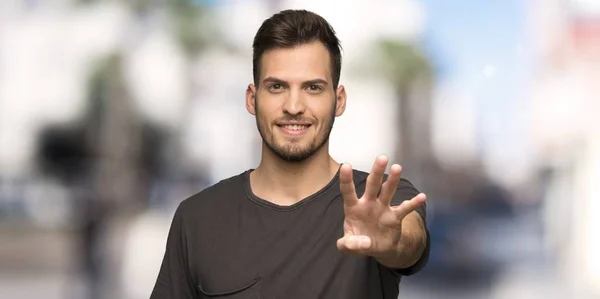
(296, 157)
(292, 153)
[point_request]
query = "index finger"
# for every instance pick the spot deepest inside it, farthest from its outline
(408, 206)
(347, 184)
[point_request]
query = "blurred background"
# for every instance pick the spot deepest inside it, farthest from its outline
(113, 112)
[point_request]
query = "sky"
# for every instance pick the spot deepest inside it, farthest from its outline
(481, 50)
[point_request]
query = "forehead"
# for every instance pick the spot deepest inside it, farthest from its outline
(305, 62)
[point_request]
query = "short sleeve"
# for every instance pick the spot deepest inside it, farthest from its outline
(407, 191)
(174, 280)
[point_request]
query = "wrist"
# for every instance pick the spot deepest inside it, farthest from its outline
(393, 257)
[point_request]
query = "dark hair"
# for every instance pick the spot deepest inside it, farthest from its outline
(292, 28)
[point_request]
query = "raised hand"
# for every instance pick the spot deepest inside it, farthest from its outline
(372, 226)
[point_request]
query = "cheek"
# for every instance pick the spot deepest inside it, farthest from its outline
(326, 115)
(267, 108)
(263, 119)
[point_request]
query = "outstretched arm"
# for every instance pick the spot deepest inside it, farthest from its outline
(384, 223)
(411, 247)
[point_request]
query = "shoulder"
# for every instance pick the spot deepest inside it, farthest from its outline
(214, 196)
(359, 176)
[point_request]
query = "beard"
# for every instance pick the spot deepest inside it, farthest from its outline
(293, 151)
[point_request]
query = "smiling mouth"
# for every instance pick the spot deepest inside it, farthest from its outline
(295, 127)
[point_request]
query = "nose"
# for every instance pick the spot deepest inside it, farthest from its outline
(294, 104)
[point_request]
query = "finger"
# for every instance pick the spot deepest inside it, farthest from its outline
(354, 244)
(347, 184)
(408, 206)
(388, 189)
(375, 178)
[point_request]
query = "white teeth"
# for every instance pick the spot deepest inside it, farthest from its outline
(295, 127)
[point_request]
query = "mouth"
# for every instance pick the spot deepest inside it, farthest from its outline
(294, 129)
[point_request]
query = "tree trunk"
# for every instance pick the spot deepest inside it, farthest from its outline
(403, 152)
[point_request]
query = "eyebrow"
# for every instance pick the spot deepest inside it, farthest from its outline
(315, 81)
(309, 82)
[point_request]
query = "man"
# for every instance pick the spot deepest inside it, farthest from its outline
(300, 225)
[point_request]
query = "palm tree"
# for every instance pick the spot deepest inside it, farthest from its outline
(115, 129)
(410, 73)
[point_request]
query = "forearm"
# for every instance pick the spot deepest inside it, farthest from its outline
(411, 246)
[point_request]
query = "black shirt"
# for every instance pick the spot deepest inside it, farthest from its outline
(225, 242)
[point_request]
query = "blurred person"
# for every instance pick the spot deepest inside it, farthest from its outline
(300, 225)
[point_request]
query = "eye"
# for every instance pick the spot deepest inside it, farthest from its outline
(314, 88)
(275, 87)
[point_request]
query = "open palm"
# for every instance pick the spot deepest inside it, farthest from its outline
(372, 226)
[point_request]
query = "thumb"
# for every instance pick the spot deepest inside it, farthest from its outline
(354, 244)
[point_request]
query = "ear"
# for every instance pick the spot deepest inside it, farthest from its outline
(251, 99)
(340, 101)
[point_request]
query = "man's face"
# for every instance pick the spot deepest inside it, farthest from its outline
(295, 103)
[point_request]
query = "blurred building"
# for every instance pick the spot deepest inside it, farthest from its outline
(565, 106)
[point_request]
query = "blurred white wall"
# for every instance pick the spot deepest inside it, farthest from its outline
(45, 57)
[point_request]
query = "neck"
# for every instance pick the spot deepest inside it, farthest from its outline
(285, 183)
